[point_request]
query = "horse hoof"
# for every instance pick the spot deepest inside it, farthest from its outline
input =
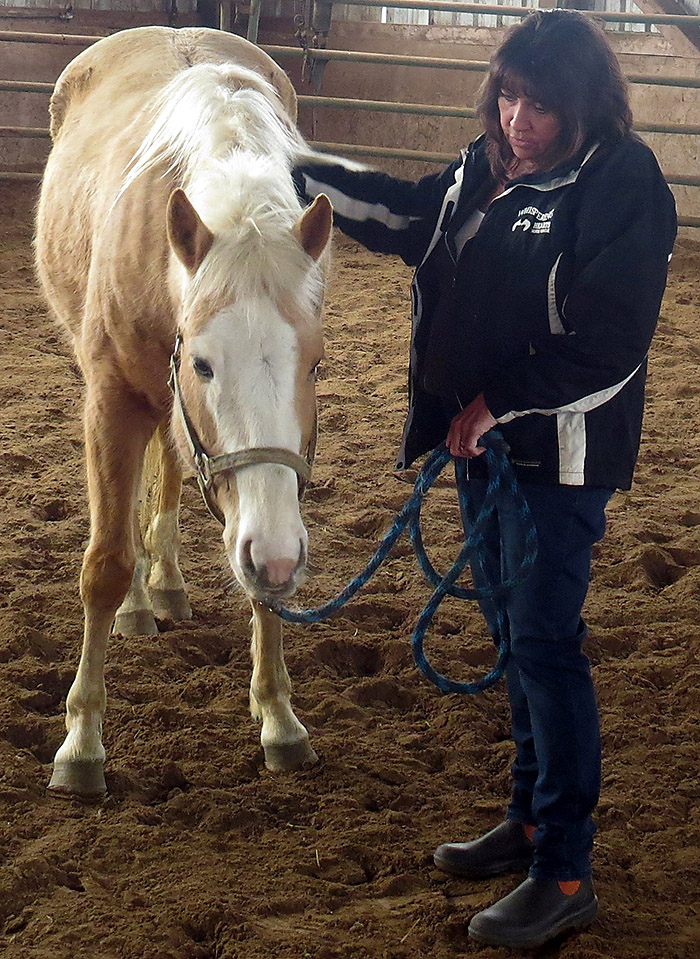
(286, 757)
(138, 622)
(171, 604)
(80, 779)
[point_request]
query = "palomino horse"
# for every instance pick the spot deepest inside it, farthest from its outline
(168, 216)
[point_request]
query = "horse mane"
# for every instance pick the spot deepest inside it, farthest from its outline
(207, 110)
(220, 131)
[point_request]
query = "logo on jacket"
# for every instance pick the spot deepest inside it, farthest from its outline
(530, 218)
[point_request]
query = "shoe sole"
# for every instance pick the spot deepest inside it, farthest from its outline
(497, 869)
(570, 924)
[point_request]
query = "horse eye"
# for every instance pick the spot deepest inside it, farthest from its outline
(202, 368)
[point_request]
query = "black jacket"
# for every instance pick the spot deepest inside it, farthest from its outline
(548, 310)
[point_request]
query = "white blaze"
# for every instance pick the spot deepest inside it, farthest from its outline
(253, 353)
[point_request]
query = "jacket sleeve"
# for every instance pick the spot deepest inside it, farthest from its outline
(624, 234)
(383, 213)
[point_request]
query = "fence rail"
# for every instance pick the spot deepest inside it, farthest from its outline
(74, 39)
(35, 177)
(436, 110)
(358, 150)
(480, 66)
(32, 132)
(383, 106)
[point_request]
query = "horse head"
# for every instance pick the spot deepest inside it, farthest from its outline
(250, 294)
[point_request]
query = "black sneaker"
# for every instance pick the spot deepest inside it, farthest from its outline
(504, 849)
(537, 911)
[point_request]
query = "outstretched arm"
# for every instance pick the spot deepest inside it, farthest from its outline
(384, 213)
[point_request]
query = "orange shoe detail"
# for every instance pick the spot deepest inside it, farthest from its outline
(571, 887)
(529, 831)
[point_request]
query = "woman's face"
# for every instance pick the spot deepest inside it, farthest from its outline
(529, 128)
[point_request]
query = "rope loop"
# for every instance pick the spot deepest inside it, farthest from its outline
(502, 488)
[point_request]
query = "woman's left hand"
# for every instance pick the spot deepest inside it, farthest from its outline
(468, 426)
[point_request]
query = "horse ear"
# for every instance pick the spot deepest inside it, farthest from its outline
(189, 237)
(313, 228)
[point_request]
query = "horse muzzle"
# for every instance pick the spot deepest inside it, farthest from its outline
(268, 577)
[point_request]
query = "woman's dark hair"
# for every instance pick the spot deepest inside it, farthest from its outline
(560, 59)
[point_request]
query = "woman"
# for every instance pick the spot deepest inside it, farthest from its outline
(541, 257)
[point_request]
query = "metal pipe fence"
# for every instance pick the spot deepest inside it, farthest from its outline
(29, 132)
(435, 110)
(281, 52)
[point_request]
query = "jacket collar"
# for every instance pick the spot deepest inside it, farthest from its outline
(561, 175)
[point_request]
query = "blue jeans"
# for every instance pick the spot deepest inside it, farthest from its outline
(555, 727)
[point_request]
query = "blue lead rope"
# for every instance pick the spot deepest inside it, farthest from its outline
(501, 488)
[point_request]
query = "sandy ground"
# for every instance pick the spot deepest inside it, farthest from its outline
(199, 852)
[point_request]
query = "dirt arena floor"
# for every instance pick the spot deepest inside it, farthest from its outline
(199, 852)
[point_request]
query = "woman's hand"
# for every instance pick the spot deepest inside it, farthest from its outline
(468, 426)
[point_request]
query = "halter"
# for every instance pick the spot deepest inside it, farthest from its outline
(208, 467)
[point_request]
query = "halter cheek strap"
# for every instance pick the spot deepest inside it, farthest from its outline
(208, 467)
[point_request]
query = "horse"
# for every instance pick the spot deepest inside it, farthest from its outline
(172, 246)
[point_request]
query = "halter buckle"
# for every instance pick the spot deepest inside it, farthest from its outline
(204, 470)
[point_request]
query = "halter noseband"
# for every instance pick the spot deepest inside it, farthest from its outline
(209, 466)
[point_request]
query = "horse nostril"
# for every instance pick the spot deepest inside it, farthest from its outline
(301, 562)
(247, 556)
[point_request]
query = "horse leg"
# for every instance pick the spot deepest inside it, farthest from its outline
(166, 583)
(114, 455)
(284, 740)
(135, 615)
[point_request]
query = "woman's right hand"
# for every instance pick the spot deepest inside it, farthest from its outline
(468, 426)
